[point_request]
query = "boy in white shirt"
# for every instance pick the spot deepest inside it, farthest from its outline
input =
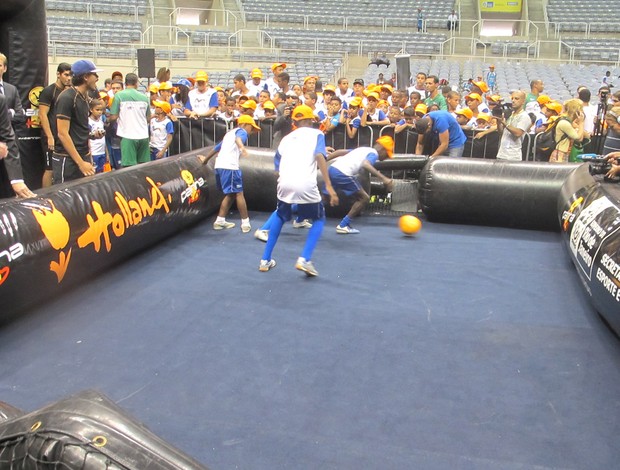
(98, 150)
(227, 173)
(162, 130)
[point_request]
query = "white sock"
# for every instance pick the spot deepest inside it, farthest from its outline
(219, 219)
(245, 221)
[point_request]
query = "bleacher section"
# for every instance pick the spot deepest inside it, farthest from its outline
(111, 7)
(107, 31)
(357, 42)
(575, 15)
(594, 49)
(390, 13)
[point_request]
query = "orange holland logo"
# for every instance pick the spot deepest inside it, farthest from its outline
(101, 225)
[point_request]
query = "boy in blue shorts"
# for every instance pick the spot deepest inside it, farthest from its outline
(227, 173)
(343, 175)
(298, 156)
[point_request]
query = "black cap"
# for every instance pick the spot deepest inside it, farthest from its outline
(358, 81)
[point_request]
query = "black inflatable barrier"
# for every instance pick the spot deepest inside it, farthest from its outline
(23, 39)
(491, 192)
(589, 214)
(86, 431)
(73, 231)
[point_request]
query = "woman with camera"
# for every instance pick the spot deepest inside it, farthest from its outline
(568, 130)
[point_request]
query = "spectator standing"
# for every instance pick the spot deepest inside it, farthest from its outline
(514, 129)
(453, 21)
(97, 134)
(162, 131)
(434, 95)
(47, 114)
(203, 99)
(612, 140)
(420, 19)
(72, 159)
(257, 84)
(589, 110)
(568, 131)
(491, 78)
(10, 153)
(133, 111)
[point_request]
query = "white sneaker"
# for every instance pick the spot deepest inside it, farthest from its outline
(266, 265)
(262, 235)
(303, 224)
(307, 267)
(346, 229)
(245, 228)
(223, 225)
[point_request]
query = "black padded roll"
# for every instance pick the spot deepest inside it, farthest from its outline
(86, 431)
(495, 193)
(73, 231)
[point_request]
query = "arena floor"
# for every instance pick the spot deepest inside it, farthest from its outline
(461, 347)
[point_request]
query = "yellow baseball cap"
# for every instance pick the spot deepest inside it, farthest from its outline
(202, 76)
(331, 88)
(388, 144)
(268, 105)
(356, 102)
(165, 107)
(302, 112)
(482, 85)
(373, 95)
(421, 108)
(543, 99)
(249, 104)
(256, 73)
(554, 106)
(245, 119)
(473, 96)
(484, 116)
(165, 86)
(468, 113)
(154, 89)
(275, 66)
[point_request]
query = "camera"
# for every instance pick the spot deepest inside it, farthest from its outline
(502, 110)
(598, 165)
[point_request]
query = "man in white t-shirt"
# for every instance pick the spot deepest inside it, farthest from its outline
(514, 129)
(203, 99)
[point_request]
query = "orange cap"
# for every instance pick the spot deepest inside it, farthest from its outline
(421, 108)
(468, 113)
(482, 85)
(388, 144)
(302, 112)
(249, 104)
(473, 96)
(165, 107)
(245, 119)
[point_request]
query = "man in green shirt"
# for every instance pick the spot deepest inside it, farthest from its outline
(133, 112)
(434, 95)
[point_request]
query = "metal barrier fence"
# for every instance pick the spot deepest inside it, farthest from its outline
(193, 134)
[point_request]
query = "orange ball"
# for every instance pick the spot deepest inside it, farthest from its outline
(409, 224)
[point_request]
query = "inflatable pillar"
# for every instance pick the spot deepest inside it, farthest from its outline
(23, 39)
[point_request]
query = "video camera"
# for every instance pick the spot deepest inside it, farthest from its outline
(598, 165)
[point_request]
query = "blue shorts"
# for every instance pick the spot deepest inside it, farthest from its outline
(229, 181)
(310, 211)
(99, 161)
(349, 185)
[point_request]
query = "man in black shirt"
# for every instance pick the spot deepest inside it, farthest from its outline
(47, 114)
(72, 159)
